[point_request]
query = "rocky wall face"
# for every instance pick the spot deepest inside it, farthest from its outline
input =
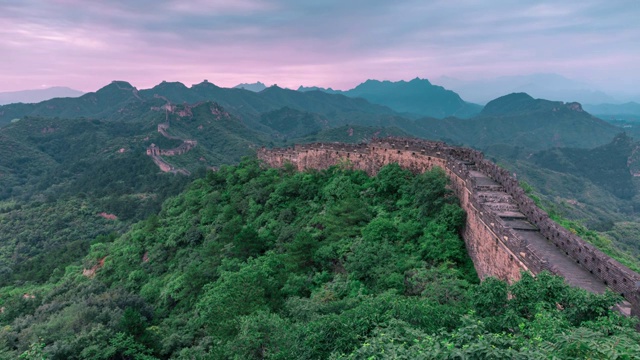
(490, 255)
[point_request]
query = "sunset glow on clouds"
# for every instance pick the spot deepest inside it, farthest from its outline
(332, 43)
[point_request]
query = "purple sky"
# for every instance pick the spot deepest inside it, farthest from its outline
(86, 44)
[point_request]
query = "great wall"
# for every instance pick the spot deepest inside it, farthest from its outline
(156, 153)
(505, 232)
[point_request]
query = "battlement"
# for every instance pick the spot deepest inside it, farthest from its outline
(505, 231)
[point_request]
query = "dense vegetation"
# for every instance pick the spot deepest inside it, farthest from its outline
(251, 263)
(608, 166)
(64, 182)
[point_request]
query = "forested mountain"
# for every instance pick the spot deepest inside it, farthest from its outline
(520, 120)
(104, 103)
(415, 98)
(253, 263)
(91, 267)
(290, 122)
(43, 153)
(611, 166)
(66, 181)
(63, 183)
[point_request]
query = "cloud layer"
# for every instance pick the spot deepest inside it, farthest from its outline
(327, 43)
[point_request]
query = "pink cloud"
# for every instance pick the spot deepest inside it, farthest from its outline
(339, 44)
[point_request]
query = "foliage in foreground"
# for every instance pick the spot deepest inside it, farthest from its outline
(252, 264)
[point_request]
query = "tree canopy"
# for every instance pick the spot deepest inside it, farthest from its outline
(256, 263)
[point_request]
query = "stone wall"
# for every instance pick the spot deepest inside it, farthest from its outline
(494, 247)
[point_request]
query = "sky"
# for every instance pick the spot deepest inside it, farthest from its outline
(333, 43)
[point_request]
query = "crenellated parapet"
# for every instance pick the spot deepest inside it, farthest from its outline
(505, 231)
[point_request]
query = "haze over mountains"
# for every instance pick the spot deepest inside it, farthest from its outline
(546, 86)
(38, 95)
(627, 112)
(256, 87)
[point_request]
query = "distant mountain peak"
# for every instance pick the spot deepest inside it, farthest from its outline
(205, 84)
(510, 104)
(122, 84)
(419, 80)
(172, 83)
(255, 87)
(275, 87)
(517, 96)
(418, 97)
(116, 85)
(518, 103)
(541, 85)
(575, 106)
(317, 88)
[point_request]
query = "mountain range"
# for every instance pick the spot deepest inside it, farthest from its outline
(419, 97)
(516, 119)
(101, 194)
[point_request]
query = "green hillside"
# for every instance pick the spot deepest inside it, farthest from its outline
(58, 177)
(66, 181)
(258, 263)
(290, 123)
(607, 165)
(519, 120)
(107, 102)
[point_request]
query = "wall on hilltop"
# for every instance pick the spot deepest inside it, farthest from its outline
(495, 248)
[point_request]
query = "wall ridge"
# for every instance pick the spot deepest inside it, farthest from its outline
(505, 231)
